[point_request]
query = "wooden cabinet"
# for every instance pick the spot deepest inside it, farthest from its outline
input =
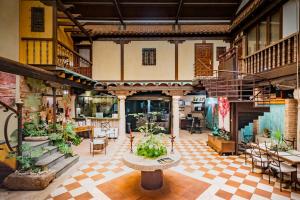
(220, 145)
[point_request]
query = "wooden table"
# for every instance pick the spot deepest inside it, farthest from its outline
(151, 169)
(291, 156)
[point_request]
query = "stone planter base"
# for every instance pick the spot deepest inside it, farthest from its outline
(24, 181)
(37, 138)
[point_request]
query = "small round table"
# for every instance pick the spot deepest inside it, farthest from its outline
(151, 169)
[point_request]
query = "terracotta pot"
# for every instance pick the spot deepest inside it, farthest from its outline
(36, 138)
(29, 181)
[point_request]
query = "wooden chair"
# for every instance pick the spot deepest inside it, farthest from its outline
(278, 166)
(98, 141)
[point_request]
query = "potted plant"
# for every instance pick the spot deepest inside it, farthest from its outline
(266, 133)
(63, 137)
(35, 132)
(151, 146)
(28, 177)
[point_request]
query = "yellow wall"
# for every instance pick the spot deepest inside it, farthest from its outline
(165, 61)
(106, 61)
(25, 31)
(42, 53)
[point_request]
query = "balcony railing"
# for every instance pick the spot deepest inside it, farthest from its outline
(40, 51)
(283, 52)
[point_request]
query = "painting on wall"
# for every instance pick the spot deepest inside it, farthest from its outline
(224, 113)
(211, 112)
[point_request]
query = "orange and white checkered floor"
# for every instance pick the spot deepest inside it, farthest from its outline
(202, 174)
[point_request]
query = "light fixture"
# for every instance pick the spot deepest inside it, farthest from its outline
(65, 90)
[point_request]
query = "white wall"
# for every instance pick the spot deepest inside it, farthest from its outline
(165, 61)
(290, 17)
(9, 33)
(106, 60)
(9, 46)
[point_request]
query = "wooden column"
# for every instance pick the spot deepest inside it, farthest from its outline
(54, 106)
(176, 42)
(54, 32)
(176, 61)
(122, 67)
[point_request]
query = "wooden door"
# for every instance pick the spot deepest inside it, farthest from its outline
(204, 59)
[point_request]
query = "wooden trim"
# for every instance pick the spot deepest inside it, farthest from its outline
(13, 67)
(54, 32)
(176, 61)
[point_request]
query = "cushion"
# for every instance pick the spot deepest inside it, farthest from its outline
(285, 168)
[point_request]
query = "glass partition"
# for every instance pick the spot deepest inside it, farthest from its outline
(97, 106)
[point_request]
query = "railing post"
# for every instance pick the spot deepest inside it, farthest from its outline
(20, 129)
(54, 107)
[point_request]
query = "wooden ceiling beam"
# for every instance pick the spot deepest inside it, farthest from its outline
(138, 3)
(75, 30)
(117, 6)
(62, 7)
(179, 9)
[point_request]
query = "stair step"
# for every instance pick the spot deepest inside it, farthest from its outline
(50, 150)
(37, 144)
(50, 160)
(64, 165)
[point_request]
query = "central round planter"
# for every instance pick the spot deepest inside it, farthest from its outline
(151, 169)
(152, 180)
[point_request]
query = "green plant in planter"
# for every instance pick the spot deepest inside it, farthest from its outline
(151, 128)
(216, 131)
(31, 129)
(151, 147)
(63, 137)
(28, 158)
(277, 136)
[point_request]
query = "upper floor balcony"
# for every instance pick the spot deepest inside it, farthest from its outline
(276, 60)
(54, 56)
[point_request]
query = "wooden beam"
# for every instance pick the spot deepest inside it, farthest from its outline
(62, 7)
(59, 23)
(117, 6)
(13, 67)
(179, 9)
(62, 15)
(176, 61)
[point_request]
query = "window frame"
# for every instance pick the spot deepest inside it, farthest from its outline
(37, 24)
(147, 58)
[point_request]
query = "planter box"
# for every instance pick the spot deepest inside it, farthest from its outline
(220, 145)
(28, 181)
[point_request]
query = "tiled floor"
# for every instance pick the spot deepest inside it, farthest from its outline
(202, 174)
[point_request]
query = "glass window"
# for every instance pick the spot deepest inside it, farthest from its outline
(262, 34)
(275, 27)
(251, 36)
